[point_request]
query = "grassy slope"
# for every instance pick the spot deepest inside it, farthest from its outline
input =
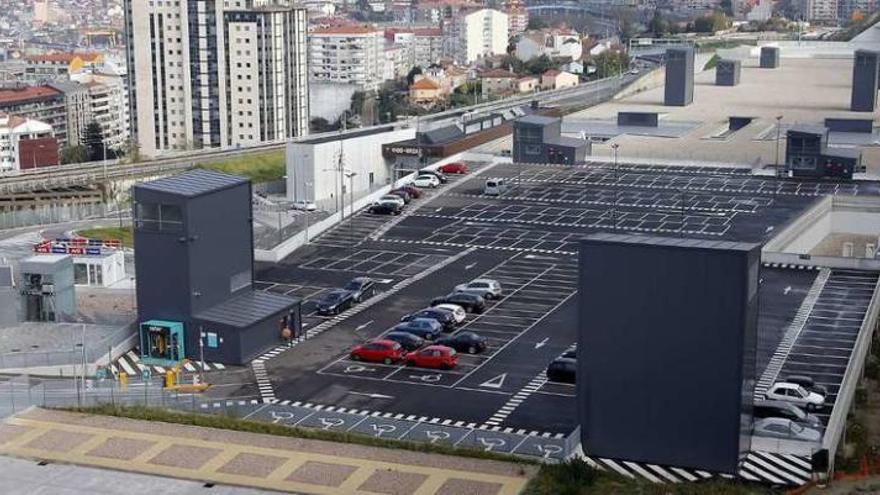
(262, 167)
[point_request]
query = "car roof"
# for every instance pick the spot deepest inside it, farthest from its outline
(362, 279)
(774, 403)
(336, 292)
(436, 347)
(403, 334)
(786, 385)
(381, 341)
(449, 306)
(565, 360)
(483, 281)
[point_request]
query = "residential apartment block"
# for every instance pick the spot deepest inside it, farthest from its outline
(43, 103)
(823, 11)
(212, 74)
(474, 34)
(108, 107)
(347, 54)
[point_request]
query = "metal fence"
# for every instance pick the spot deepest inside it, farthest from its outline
(58, 213)
(107, 347)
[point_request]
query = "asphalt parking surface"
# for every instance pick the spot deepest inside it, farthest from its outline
(526, 240)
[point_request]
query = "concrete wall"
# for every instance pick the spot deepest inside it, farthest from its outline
(857, 215)
(311, 166)
(328, 100)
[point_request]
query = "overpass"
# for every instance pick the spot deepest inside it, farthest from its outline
(112, 177)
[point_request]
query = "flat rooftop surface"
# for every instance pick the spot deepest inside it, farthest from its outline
(250, 460)
(501, 399)
(801, 90)
(39, 337)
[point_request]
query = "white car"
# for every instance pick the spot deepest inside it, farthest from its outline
(458, 313)
(426, 180)
(785, 428)
(392, 198)
(488, 288)
(796, 394)
(304, 205)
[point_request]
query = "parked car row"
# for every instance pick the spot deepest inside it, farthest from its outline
(785, 411)
(396, 200)
(419, 340)
(338, 300)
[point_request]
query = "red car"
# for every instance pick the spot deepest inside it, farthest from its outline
(454, 168)
(413, 191)
(433, 356)
(379, 351)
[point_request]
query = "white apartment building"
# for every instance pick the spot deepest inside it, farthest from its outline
(347, 54)
(819, 10)
(474, 34)
(14, 130)
(424, 45)
(215, 74)
(108, 107)
(553, 43)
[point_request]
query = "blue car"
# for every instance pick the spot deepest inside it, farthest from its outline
(426, 328)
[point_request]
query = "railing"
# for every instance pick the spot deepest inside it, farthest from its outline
(851, 378)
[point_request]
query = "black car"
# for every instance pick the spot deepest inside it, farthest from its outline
(472, 303)
(405, 196)
(441, 315)
(361, 288)
(468, 342)
(385, 208)
(571, 353)
(334, 302)
(808, 383)
(562, 370)
(439, 175)
(406, 340)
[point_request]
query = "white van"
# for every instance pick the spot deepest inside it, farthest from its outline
(494, 187)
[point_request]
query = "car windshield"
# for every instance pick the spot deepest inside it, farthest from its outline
(353, 285)
(333, 296)
(802, 392)
(491, 184)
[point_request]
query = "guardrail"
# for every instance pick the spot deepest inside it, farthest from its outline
(837, 421)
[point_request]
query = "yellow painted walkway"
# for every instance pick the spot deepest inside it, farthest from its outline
(259, 461)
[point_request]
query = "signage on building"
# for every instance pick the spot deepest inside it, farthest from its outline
(403, 150)
(78, 246)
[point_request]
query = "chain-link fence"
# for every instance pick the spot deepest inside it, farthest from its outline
(59, 213)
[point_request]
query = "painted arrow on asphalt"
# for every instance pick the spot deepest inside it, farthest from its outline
(372, 396)
(468, 267)
(365, 325)
(786, 290)
(542, 343)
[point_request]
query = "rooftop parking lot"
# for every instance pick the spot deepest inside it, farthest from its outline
(526, 239)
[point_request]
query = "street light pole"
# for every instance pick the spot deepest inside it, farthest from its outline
(778, 136)
(351, 176)
(614, 148)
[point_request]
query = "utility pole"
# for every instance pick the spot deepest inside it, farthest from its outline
(778, 137)
(614, 148)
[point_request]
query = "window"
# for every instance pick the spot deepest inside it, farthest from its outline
(80, 274)
(211, 340)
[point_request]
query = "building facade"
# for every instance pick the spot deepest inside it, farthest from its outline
(77, 109)
(347, 54)
(823, 11)
(474, 34)
(211, 74)
(26, 143)
(43, 103)
(108, 107)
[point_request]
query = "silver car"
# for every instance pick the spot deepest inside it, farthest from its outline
(488, 288)
(785, 428)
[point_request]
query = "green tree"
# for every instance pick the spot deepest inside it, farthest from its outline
(539, 65)
(537, 23)
(610, 63)
(710, 23)
(74, 154)
(94, 142)
(411, 75)
(658, 25)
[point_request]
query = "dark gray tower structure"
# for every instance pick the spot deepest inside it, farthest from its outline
(864, 85)
(727, 72)
(666, 349)
(679, 77)
(769, 57)
(193, 236)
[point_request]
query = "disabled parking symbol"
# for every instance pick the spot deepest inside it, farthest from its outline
(279, 416)
(426, 378)
(383, 428)
(331, 422)
(548, 450)
(436, 436)
(491, 443)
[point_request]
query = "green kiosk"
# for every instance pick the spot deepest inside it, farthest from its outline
(162, 342)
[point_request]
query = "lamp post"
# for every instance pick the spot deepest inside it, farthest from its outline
(614, 148)
(778, 137)
(351, 176)
(306, 216)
